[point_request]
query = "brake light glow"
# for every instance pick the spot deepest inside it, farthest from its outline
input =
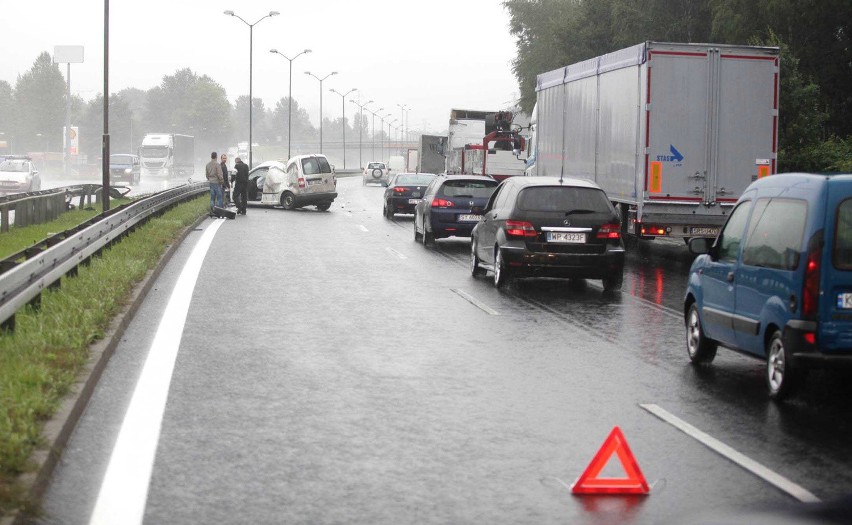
(810, 290)
(520, 229)
(810, 338)
(653, 230)
(399, 189)
(301, 182)
(609, 231)
(442, 203)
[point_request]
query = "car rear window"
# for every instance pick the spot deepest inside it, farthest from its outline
(468, 188)
(563, 199)
(375, 166)
(315, 165)
(14, 165)
(414, 179)
(842, 255)
(774, 238)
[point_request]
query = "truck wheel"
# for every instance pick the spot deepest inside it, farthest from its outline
(782, 375)
(288, 200)
(698, 346)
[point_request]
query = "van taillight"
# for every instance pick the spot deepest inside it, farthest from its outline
(301, 182)
(810, 290)
(520, 229)
(609, 231)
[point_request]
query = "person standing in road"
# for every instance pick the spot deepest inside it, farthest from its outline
(214, 177)
(227, 186)
(241, 185)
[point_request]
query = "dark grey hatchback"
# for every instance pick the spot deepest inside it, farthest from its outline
(549, 227)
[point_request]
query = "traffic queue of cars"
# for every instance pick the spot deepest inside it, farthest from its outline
(775, 284)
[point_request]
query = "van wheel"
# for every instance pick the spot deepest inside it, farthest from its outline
(288, 200)
(782, 375)
(698, 346)
(323, 206)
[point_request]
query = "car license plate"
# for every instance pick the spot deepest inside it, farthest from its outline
(701, 230)
(567, 237)
(844, 301)
(314, 182)
(414, 201)
(469, 218)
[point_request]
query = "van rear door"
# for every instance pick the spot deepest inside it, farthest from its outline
(835, 308)
(318, 175)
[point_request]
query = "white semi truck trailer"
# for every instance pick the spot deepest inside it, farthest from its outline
(168, 155)
(672, 132)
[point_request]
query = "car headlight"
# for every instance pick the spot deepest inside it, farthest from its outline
(128, 171)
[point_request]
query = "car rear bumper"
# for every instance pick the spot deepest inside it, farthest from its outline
(586, 266)
(308, 199)
(401, 204)
(811, 355)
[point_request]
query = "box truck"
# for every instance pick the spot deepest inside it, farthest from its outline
(430, 158)
(672, 132)
(485, 143)
(167, 154)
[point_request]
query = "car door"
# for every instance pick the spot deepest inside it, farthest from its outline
(423, 207)
(486, 230)
(255, 183)
(719, 275)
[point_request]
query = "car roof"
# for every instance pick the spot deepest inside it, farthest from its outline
(554, 181)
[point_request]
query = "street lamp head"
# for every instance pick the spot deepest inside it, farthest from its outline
(273, 50)
(332, 73)
(229, 13)
(274, 13)
(307, 72)
(306, 51)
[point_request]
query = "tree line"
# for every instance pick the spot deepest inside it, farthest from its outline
(814, 36)
(32, 114)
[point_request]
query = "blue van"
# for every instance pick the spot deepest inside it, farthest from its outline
(776, 283)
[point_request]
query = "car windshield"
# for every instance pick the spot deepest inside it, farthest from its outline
(375, 166)
(468, 188)
(413, 179)
(14, 165)
(154, 152)
(121, 159)
(563, 199)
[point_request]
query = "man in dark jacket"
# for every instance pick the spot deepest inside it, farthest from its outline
(241, 185)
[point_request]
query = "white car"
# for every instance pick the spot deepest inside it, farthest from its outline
(18, 175)
(304, 180)
(376, 172)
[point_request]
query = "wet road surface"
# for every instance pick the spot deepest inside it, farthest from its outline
(333, 370)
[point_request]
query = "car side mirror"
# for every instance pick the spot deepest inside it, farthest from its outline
(700, 245)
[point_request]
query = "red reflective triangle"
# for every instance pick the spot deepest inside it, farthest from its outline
(590, 483)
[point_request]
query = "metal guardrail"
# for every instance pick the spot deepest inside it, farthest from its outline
(43, 206)
(23, 283)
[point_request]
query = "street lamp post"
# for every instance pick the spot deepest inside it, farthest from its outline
(251, 45)
(373, 137)
(402, 108)
(290, 95)
(389, 116)
(360, 126)
(343, 103)
(320, 92)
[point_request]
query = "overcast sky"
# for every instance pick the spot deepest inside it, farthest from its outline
(431, 56)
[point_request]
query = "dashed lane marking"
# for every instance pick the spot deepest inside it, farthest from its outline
(740, 459)
(124, 489)
(475, 302)
(396, 253)
(363, 228)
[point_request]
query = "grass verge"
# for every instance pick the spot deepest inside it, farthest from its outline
(41, 359)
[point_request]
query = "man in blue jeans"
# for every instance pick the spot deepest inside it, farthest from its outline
(216, 180)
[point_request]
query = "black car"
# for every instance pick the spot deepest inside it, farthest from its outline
(451, 206)
(404, 192)
(549, 227)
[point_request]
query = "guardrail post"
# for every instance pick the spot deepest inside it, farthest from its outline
(4, 219)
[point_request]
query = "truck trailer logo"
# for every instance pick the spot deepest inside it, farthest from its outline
(674, 157)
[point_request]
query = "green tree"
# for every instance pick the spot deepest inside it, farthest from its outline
(301, 123)
(39, 97)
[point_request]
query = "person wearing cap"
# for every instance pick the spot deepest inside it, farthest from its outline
(241, 185)
(214, 176)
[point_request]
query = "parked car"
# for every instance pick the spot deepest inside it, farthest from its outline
(124, 167)
(375, 172)
(404, 192)
(18, 175)
(304, 180)
(549, 227)
(451, 206)
(776, 283)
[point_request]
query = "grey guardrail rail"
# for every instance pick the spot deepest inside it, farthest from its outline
(24, 283)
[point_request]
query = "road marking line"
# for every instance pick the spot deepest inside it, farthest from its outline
(363, 228)
(391, 250)
(124, 489)
(475, 302)
(740, 459)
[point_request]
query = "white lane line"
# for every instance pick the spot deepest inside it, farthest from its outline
(124, 489)
(742, 460)
(475, 302)
(396, 253)
(363, 228)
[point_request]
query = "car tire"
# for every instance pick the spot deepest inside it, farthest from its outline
(323, 206)
(612, 283)
(417, 235)
(388, 212)
(502, 274)
(475, 269)
(782, 375)
(428, 237)
(288, 200)
(699, 348)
